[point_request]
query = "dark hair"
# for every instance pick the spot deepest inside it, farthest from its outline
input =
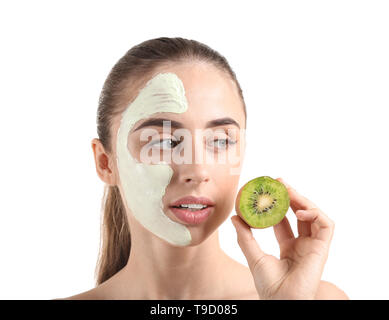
(136, 65)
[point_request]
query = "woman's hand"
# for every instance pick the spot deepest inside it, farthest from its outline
(297, 274)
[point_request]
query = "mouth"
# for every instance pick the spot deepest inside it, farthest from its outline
(192, 210)
(192, 216)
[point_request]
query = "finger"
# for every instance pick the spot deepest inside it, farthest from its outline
(297, 202)
(247, 242)
(303, 228)
(322, 227)
(283, 231)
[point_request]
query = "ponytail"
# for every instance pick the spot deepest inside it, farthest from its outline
(115, 236)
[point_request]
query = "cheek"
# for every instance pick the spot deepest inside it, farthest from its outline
(134, 147)
(226, 176)
(227, 188)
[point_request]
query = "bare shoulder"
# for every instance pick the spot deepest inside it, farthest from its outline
(92, 294)
(87, 295)
(329, 291)
(243, 284)
(247, 291)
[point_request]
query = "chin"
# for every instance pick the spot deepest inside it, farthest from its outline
(201, 233)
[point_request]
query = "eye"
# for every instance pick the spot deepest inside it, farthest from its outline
(225, 143)
(170, 143)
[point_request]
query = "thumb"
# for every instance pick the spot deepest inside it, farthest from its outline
(247, 242)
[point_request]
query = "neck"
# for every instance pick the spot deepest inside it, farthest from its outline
(158, 270)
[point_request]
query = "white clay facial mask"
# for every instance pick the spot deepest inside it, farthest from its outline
(144, 184)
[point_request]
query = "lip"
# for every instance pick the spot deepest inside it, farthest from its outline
(192, 217)
(192, 199)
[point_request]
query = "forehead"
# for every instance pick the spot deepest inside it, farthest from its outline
(205, 85)
(210, 93)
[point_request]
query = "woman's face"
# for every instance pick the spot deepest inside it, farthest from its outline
(203, 162)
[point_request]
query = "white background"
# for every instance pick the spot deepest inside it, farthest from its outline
(315, 76)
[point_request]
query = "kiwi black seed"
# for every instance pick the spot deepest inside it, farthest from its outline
(262, 202)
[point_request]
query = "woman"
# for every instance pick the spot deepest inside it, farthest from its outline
(151, 248)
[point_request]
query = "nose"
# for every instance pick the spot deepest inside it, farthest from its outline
(193, 173)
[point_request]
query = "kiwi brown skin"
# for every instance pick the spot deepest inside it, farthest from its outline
(237, 204)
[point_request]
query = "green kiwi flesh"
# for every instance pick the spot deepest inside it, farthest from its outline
(263, 202)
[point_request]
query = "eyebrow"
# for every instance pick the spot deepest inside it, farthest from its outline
(158, 122)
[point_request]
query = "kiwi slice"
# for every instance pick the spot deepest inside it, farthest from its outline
(262, 202)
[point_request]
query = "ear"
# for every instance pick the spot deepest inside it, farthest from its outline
(104, 164)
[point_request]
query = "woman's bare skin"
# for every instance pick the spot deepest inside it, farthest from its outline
(158, 270)
(243, 288)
